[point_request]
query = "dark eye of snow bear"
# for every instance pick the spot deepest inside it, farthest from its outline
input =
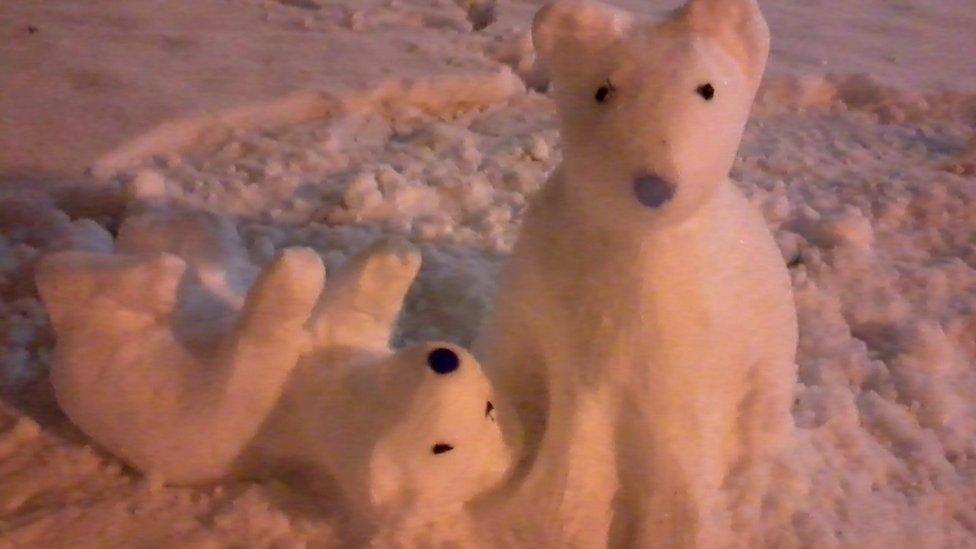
(441, 448)
(604, 92)
(443, 361)
(707, 91)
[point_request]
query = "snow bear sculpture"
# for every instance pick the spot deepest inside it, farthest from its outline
(645, 301)
(414, 428)
(191, 370)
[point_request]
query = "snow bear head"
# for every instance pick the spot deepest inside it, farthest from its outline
(442, 444)
(651, 113)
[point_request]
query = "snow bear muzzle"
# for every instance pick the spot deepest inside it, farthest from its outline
(653, 190)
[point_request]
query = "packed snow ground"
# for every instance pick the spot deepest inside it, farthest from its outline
(870, 190)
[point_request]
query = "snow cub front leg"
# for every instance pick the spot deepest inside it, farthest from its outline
(258, 357)
(364, 299)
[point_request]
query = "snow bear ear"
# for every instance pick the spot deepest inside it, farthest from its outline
(737, 25)
(567, 29)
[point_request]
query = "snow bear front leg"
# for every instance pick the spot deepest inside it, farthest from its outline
(576, 471)
(665, 500)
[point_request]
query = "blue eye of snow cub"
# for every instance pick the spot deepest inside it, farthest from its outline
(443, 361)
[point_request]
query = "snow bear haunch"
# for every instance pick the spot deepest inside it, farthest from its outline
(184, 359)
(645, 325)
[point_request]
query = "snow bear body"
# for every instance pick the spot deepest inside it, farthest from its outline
(178, 366)
(645, 296)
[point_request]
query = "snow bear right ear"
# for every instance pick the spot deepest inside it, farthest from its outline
(567, 29)
(737, 25)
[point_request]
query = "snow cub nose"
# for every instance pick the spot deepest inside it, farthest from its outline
(652, 190)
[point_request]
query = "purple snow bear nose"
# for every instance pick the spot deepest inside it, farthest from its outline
(652, 190)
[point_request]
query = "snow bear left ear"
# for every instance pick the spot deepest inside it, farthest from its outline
(568, 29)
(737, 25)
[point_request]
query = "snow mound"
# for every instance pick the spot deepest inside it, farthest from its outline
(873, 213)
(433, 95)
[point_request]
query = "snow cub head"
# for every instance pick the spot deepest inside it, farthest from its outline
(441, 443)
(651, 113)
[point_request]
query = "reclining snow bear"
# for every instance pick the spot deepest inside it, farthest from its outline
(163, 366)
(645, 296)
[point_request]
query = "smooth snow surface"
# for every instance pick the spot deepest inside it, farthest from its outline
(868, 183)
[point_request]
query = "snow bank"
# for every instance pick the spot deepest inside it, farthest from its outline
(432, 95)
(873, 211)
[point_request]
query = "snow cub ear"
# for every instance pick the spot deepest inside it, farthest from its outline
(569, 29)
(737, 25)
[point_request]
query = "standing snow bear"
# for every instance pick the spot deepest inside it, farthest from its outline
(645, 301)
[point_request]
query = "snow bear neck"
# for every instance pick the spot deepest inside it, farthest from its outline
(635, 285)
(590, 200)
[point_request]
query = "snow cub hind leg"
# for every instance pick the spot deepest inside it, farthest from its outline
(128, 380)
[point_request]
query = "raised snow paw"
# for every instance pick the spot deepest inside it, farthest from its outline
(365, 297)
(79, 287)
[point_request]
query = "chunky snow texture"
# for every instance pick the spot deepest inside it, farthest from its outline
(169, 357)
(869, 190)
(645, 312)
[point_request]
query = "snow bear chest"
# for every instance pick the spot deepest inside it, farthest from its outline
(625, 306)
